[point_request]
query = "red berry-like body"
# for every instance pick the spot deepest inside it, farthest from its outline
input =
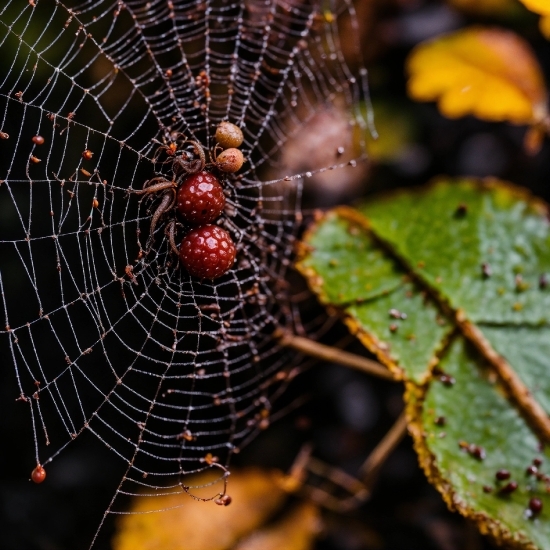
(207, 252)
(38, 475)
(200, 198)
(535, 505)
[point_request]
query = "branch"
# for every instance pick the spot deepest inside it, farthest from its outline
(378, 456)
(333, 355)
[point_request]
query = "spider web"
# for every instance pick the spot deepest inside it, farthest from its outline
(173, 374)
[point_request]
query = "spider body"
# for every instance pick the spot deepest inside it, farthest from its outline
(207, 252)
(228, 135)
(182, 162)
(230, 160)
(195, 191)
(200, 198)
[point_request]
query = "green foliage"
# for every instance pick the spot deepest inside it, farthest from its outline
(457, 257)
(449, 230)
(348, 268)
(475, 412)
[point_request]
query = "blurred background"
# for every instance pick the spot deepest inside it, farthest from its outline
(344, 413)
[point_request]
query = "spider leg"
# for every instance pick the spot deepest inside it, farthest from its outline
(191, 166)
(151, 187)
(168, 200)
(171, 233)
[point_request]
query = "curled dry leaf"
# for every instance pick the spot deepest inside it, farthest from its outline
(184, 524)
(295, 531)
(470, 72)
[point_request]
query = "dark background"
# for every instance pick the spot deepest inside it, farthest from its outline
(346, 413)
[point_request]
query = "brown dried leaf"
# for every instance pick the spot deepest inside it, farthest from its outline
(185, 524)
(296, 531)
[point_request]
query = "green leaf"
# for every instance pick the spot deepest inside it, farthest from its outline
(346, 267)
(408, 346)
(483, 248)
(448, 231)
(475, 411)
(528, 350)
(466, 256)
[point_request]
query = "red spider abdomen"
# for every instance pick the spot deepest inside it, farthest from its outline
(200, 198)
(207, 252)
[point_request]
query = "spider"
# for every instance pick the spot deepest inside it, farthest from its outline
(182, 164)
(187, 158)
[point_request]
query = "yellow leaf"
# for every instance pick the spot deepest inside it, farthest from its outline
(544, 26)
(296, 531)
(182, 523)
(487, 72)
(538, 6)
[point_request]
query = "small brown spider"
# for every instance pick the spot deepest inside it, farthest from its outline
(181, 160)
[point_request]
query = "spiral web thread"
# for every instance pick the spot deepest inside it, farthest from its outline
(171, 373)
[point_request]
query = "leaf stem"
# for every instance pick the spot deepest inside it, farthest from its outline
(334, 355)
(324, 484)
(387, 445)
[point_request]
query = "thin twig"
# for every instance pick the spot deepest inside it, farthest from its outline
(334, 355)
(327, 480)
(340, 478)
(378, 456)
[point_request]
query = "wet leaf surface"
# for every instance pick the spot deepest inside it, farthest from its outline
(528, 349)
(475, 412)
(389, 314)
(483, 247)
(474, 256)
(346, 266)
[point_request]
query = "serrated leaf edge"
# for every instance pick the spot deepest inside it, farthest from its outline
(487, 525)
